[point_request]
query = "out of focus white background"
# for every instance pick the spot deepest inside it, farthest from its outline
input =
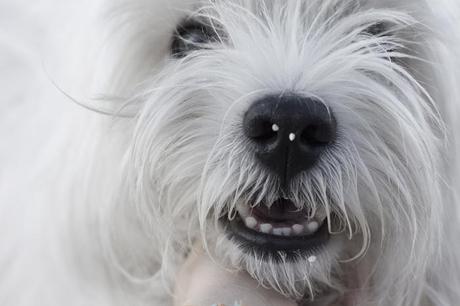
(29, 32)
(35, 37)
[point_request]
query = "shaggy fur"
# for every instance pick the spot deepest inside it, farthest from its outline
(105, 204)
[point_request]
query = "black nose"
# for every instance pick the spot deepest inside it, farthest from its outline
(289, 133)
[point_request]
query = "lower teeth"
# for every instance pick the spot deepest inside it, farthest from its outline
(312, 226)
(266, 228)
(307, 228)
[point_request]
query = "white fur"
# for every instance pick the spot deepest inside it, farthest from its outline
(99, 207)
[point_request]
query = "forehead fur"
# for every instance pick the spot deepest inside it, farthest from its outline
(144, 30)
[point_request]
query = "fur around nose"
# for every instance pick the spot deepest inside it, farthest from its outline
(289, 133)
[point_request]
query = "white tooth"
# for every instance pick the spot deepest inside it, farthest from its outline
(312, 226)
(286, 231)
(312, 259)
(275, 128)
(250, 222)
(266, 228)
(278, 231)
(292, 137)
(297, 229)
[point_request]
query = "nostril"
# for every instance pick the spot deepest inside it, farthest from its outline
(262, 130)
(288, 133)
(318, 135)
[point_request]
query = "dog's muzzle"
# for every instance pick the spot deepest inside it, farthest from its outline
(288, 134)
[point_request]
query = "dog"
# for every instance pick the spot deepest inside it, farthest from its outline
(310, 144)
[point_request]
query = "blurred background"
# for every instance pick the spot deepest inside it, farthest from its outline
(35, 39)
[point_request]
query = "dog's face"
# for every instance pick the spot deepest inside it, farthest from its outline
(295, 140)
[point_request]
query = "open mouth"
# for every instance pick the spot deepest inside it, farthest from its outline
(281, 226)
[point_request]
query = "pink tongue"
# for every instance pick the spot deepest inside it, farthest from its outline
(281, 211)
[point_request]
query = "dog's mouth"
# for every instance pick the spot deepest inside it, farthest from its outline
(281, 226)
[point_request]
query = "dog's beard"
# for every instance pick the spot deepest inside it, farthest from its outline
(297, 277)
(190, 165)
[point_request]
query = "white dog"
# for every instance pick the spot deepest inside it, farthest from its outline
(308, 147)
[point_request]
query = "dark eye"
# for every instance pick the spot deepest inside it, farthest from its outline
(383, 30)
(190, 36)
(377, 29)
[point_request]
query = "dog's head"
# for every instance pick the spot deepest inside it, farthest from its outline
(297, 140)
